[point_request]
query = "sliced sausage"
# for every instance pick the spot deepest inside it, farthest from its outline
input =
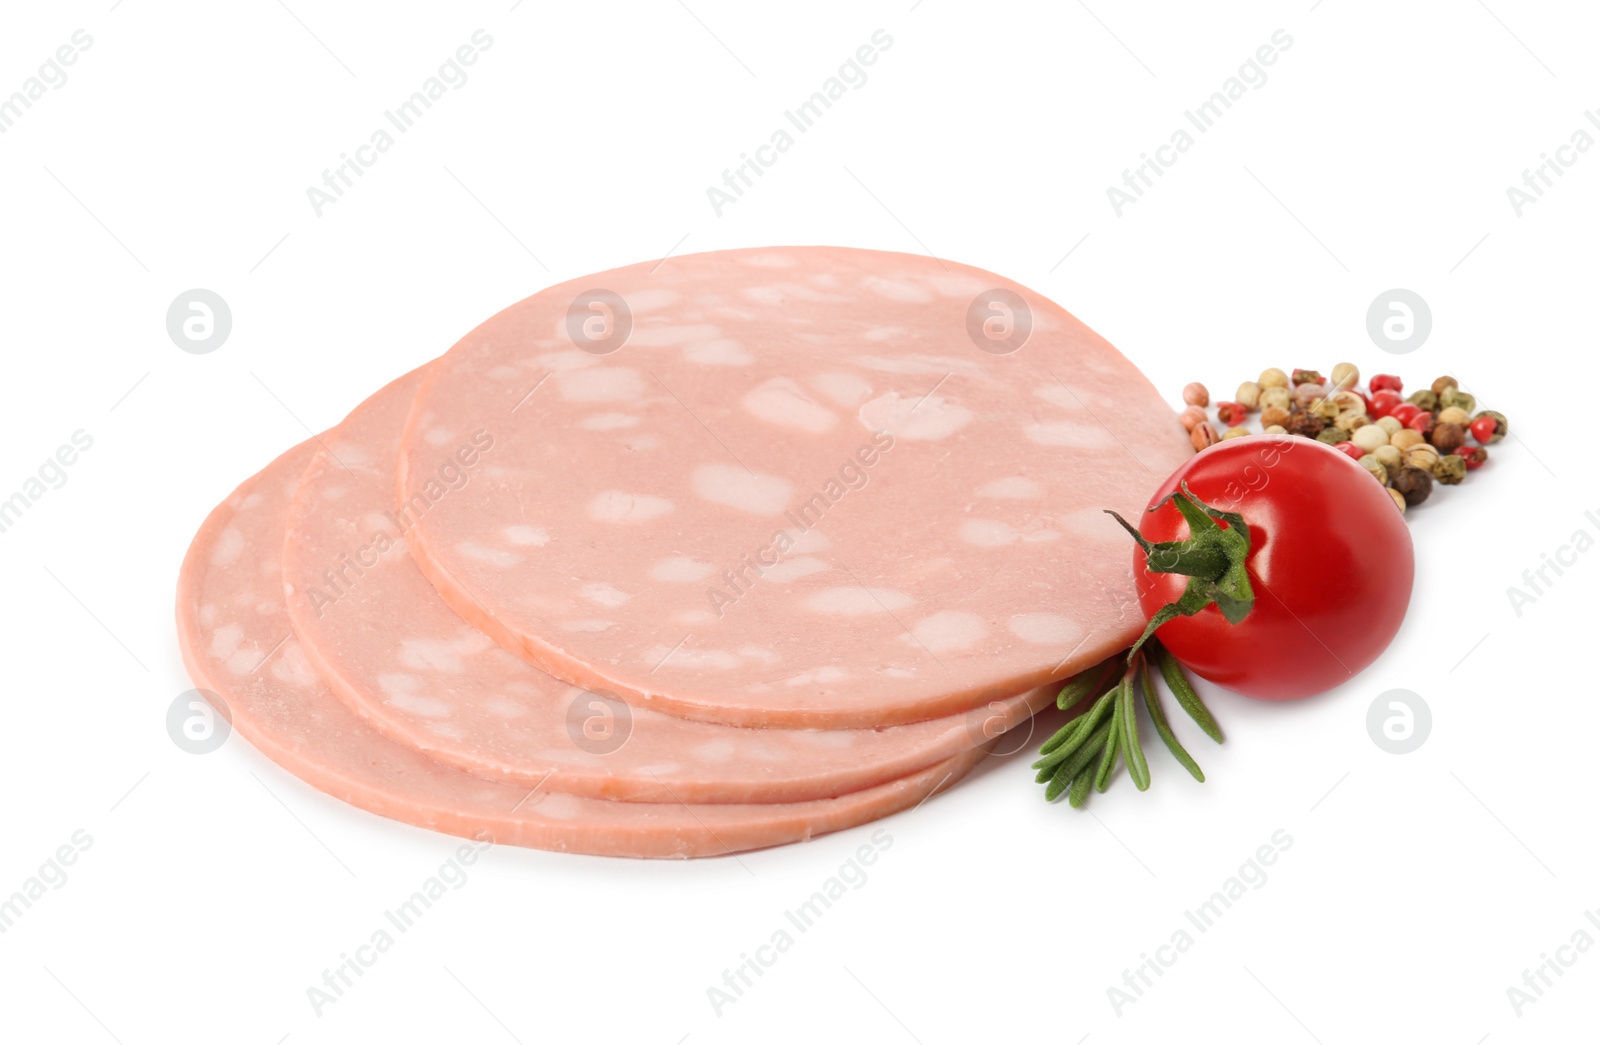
(804, 486)
(238, 645)
(388, 646)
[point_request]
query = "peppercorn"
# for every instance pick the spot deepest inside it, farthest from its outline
(1306, 424)
(1349, 449)
(1389, 456)
(1332, 435)
(1195, 394)
(1202, 435)
(1379, 382)
(1406, 413)
(1455, 415)
(1399, 499)
(1191, 416)
(1382, 402)
(1390, 425)
(1275, 430)
(1274, 395)
(1422, 423)
(1447, 436)
(1369, 437)
(1249, 394)
(1274, 416)
(1231, 413)
(1442, 383)
(1414, 485)
(1376, 470)
(1235, 432)
(1347, 404)
(1456, 397)
(1308, 394)
(1450, 469)
(1474, 457)
(1272, 377)
(1426, 398)
(1421, 456)
(1501, 426)
(1301, 377)
(1405, 439)
(1345, 375)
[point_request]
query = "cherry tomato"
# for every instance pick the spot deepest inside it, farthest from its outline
(1330, 564)
(1405, 413)
(1385, 381)
(1483, 429)
(1350, 450)
(1382, 404)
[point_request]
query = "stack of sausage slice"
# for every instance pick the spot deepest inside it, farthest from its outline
(688, 558)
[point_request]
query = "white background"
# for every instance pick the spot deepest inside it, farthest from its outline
(1377, 155)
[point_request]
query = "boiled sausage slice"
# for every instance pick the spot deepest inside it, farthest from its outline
(387, 645)
(802, 486)
(237, 644)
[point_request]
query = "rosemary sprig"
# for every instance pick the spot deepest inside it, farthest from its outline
(1158, 715)
(1083, 754)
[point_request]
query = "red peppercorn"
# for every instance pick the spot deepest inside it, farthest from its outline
(1423, 423)
(1381, 382)
(1382, 403)
(1354, 452)
(1473, 457)
(1405, 413)
(1482, 429)
(1232, 413)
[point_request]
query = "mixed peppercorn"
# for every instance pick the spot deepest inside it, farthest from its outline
(1407, 444)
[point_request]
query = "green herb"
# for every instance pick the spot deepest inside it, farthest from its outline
(1083, 754)
(1152, 701)
(1128, 722)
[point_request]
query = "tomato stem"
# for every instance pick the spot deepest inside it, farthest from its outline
(1212, 557)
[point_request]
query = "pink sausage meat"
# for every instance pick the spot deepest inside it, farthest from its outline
(237, 643)
(798, 487)
(387, 645)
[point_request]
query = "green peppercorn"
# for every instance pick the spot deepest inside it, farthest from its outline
(1450, 469)
(1331, 435)
(1414, 484)
(1501, 425)
(1426, 398)
(1375, 468)
(1455, 397)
